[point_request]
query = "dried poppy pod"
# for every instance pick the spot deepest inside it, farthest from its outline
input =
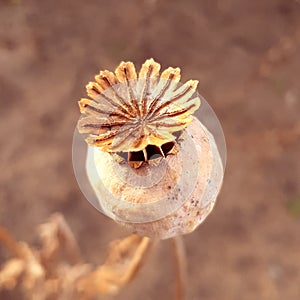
(153, 166)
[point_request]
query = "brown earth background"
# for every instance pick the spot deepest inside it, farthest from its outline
(245, 55)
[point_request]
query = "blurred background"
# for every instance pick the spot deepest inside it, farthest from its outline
(245, 55)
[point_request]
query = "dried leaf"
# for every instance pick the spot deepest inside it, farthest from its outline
(124, 260)
(57, 235)
(10, 273)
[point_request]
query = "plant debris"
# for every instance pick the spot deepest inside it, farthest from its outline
(57, 271)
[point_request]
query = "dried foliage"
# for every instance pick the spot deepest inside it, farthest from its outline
(56, 270)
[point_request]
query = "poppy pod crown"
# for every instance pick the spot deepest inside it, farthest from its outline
(137, 116)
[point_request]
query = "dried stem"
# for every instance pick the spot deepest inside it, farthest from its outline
(11, 244)
(180, 267)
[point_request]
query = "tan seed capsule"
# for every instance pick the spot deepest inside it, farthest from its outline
(153, 166)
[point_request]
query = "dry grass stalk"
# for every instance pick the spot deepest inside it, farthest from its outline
(180, 268)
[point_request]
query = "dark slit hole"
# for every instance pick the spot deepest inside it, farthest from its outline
(136, 156)
(153, 152)
(167, 147)
(177, 134)
(123, 154)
